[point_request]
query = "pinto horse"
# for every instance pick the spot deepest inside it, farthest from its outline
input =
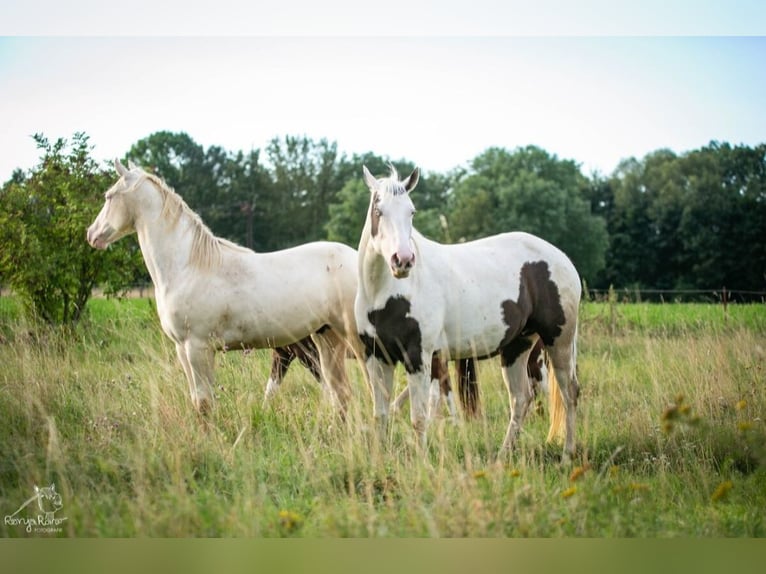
(212, 294)
(492, 296)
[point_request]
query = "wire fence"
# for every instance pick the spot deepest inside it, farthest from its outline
(720, 295)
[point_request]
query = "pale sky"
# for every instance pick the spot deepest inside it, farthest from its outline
(437, 98)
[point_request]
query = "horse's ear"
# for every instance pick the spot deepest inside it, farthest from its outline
(119, 167)
(131, 165)
(412, 180)
(369, 179)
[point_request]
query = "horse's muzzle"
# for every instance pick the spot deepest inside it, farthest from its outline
(401, 265)
(96, 239)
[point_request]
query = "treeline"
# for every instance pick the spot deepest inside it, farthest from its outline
(666, 221)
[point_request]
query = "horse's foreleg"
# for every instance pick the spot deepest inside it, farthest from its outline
(400, 400)
(381, 376)
(419, 384)
(520, 396)
(440, 389)
(201, 358)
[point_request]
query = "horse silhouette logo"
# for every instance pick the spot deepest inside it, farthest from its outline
(42, 517)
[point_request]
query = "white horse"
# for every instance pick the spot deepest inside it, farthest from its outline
(212, 294)
(493, 296)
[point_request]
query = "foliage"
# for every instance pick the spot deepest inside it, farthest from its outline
(689, 221)
(347, 214)
(44, 256)
(664, 221)
(663, 452)
(222, 187)
(530, 190)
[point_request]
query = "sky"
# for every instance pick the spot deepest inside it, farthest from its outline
(438, 94)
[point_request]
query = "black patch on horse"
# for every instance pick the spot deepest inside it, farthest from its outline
(535, 362)
(538, 310)
(398, 338)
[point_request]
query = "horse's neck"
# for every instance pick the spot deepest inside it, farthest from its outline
(375, 275)
(166, 248)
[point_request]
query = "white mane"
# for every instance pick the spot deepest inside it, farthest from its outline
(206, 247)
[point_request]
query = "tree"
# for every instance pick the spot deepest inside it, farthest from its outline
(693, 221)
(721, 230)
(305, 182)
(348, 212)
(530, 190)
(44, 256)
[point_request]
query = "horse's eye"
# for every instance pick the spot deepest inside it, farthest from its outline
(378, 212)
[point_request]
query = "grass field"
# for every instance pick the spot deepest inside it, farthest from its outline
(671, 439)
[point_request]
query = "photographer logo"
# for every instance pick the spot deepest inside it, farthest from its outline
(41, 517)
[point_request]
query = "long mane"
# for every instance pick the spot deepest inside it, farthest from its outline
(206, 252)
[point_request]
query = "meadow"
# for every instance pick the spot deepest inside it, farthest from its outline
(671, 439)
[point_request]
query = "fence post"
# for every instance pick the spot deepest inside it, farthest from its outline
(725, 300)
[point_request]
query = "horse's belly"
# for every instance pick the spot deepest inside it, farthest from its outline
(462, 343)
(267, 333)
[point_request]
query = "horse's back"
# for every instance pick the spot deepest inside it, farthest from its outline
(267, 299)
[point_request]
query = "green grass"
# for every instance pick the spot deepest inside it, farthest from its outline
(670, 439)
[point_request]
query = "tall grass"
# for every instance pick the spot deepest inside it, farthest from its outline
(670, 439)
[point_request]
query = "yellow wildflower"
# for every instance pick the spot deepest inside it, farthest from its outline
(722, 490)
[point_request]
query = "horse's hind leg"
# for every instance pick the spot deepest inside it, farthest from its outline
(281, 357)
(332, 357)
(306, 352)
(520, 396)
(441, 388)
(562, 356)
(467, 387)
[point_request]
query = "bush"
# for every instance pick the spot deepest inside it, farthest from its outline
(44, 257)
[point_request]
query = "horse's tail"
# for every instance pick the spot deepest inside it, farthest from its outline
(467, 387)
(555, 404)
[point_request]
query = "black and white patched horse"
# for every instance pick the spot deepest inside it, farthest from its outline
(492, 296)
(306, 353)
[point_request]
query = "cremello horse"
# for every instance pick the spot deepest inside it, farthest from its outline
(493, 296)
(212, 294)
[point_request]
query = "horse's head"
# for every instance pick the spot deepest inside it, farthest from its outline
(48, 500)
(390, 216)
(117, 217)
